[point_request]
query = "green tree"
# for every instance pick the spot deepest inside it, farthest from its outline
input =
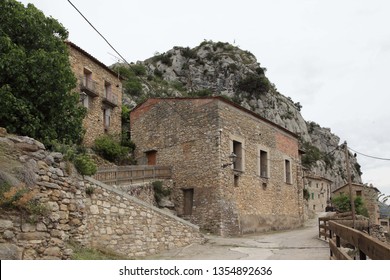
(36, 79)
(343, 204)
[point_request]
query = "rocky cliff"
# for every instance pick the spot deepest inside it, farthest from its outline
(223, 69)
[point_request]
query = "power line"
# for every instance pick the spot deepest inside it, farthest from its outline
(101, 35)
(380, 158)
(104, 38)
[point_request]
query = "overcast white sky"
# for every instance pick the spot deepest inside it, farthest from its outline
(331, 56)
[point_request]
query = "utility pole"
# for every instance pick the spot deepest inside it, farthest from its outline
(350, 184)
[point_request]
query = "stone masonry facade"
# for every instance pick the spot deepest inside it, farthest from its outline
(261, 191)
(100, 92)
(319, 189)
(82, 210)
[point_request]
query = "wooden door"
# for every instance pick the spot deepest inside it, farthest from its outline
(188, 201)
(151, 157)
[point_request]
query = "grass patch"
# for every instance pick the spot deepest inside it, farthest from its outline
(85, 253)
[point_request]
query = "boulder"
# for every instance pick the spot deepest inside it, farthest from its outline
(9, 251)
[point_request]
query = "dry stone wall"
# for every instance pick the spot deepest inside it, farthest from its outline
(106, 217)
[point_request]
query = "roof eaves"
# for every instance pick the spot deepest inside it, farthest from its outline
(73, 45)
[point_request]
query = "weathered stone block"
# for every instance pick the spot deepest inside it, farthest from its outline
(5, 224)
(94, 209)
(39, 236)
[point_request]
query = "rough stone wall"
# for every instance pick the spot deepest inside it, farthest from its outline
(94, 121)
(132, 227)
(24, 161)
(262, 204)
(108, 217)
(195, 137)
(184, 134)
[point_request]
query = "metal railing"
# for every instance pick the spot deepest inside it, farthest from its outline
(120, 175)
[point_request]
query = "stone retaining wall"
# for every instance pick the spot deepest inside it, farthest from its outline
(133, 227)
(106, 218)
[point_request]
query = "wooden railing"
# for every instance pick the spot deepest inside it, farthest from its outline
(342, 218)
(366, 246)
(119, 175)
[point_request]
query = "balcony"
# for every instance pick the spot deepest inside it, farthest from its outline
(110, 99)
(89, 86)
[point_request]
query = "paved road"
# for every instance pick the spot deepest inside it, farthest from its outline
(299, 244)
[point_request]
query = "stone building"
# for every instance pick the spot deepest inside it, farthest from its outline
(319, 189)
(369, 195)
(100, 91)
(234, 171)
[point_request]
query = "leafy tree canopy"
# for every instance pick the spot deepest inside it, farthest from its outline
(35, 76)
(343, 204)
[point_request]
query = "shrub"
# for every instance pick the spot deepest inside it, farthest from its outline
(138, 69)
(159, 191)
(133, 86)
(23, 199)
(89, 190)
(165, 59)
(342, 204)
(158, 73)
(85, 165)
(254, 84)
(311, 156)
(107, 147)
(125, 114)
(189, 53)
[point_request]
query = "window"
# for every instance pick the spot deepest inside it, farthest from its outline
(237, 150)
(107, 90)
(312, 195)
(358, 193)
(263, 164)
(107, 118)
(87, 79)
(287, 170)
(84, 100)
(314, 207)
(188, 197)
(236, 180)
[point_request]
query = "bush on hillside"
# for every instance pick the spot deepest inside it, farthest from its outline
(110, 149)
(85, 165)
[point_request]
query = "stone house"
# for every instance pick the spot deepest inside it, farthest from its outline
(234, 172)
(369, 195)
(319, 189)
(100, 91)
